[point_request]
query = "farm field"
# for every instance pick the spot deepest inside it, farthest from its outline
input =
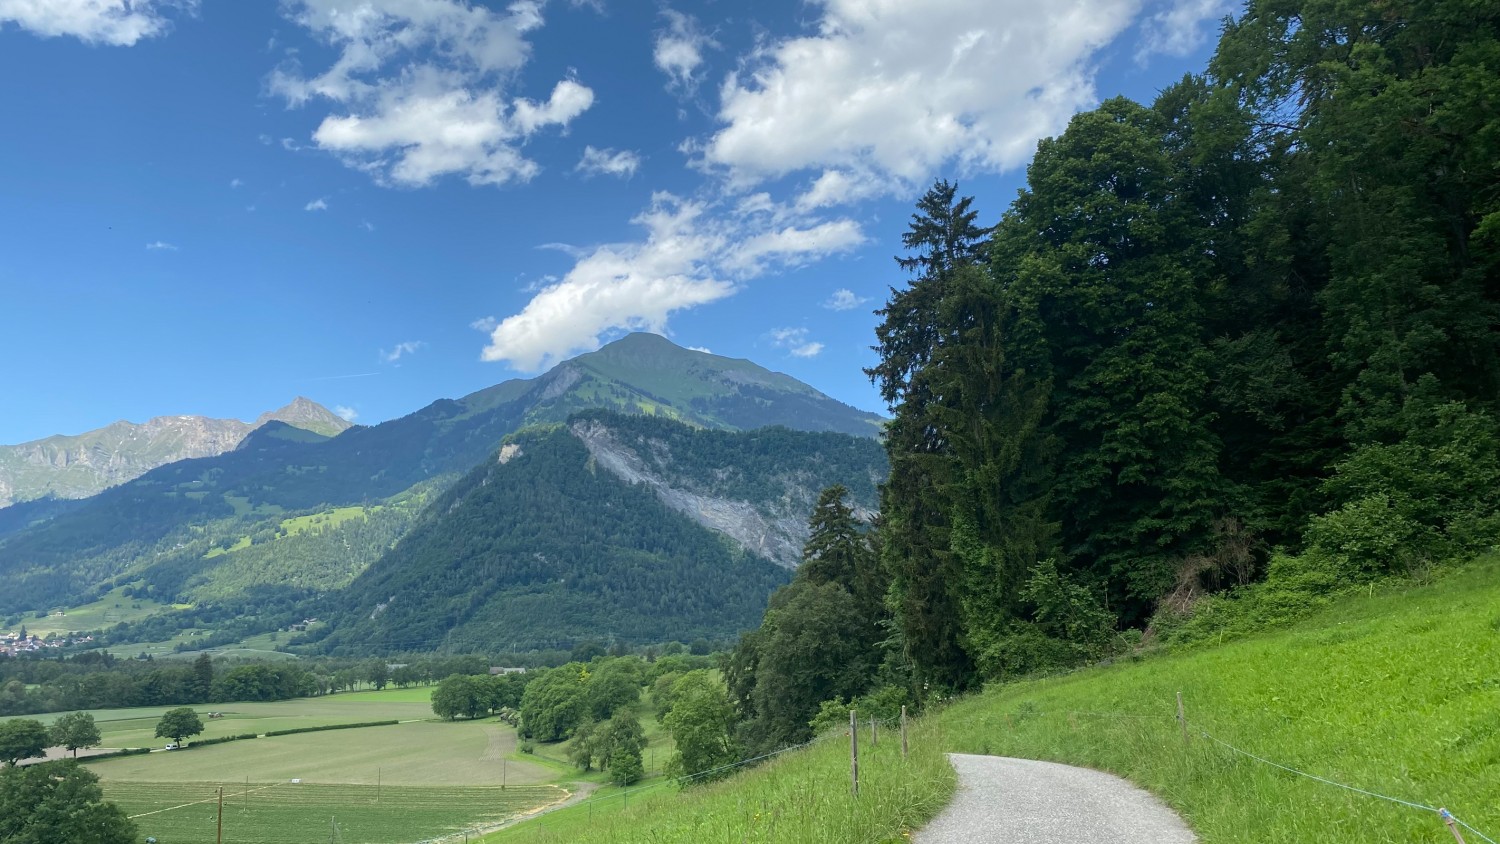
(135, 727)
(310, 813)
(421, 753)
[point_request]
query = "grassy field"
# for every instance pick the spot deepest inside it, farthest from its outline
(801, 796)
(1394, 693)
(135, 727)
(287, 813)
(111, 609)
(433, 777)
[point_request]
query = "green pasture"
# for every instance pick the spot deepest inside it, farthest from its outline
(801, 796)
(135, 727)
(111, 609)
(286, 813)
(418, 753)
(1396, 693)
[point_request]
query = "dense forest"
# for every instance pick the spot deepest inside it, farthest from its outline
(1225, 354)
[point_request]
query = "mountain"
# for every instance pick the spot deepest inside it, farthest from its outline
(85, 464)
(160, 526)
(634, 529)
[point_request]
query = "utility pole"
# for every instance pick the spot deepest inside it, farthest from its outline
(377, 786)
(221, 814)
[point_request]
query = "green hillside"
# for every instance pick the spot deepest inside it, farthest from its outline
(1395, 692)
(57, 556)
(544, 548)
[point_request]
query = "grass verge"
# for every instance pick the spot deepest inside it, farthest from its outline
(1394, 693)
(800, 796)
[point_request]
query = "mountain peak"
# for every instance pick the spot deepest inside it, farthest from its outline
(307, 414)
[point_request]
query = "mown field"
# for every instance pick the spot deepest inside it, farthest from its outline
(310, 813)
(421, 753)
(111, 609)
(136, 727)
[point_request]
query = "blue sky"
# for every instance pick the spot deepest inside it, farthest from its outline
(212, 206)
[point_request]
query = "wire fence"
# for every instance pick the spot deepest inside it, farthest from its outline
(1443, 814)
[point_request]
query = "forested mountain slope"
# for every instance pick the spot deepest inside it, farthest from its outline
(161, 526)
(545, 543)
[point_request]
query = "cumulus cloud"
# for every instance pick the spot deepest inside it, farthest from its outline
(795, 341)
(704, 349)
(117, 22)
(625, 286)
(420, 88)
(1179, 29)
(235, 183)
(346, 413)
(608, 162)
(161, 246)
(319, 204)
(401, 350)
(678, 51)
(885, 93)
(692, 254)
(844, 299)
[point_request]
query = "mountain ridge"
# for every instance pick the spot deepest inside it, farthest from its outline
(72, 466)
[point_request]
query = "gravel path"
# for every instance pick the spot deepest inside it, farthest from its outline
(1019, 801)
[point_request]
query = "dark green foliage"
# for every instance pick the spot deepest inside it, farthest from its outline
(21, 738)
(73, 731)
(702, 723)
(545, 548)
(58, 802)
(1261, 312)
(294, 730)
(177, 724)
(553, 704)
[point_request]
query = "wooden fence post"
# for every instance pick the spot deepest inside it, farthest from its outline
(903, 732)
(854, 752)
(874, 736)
(1453, 828)
(1182, 719)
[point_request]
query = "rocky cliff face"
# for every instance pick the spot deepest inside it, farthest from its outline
(775, 529)
(86, 464)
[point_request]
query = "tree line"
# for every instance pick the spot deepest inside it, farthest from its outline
(1233, 349)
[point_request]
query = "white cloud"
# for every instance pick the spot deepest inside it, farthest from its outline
(632, 286)
(693, 254)
(235, 183)
(795, 341)
(1178, 29)
(704, 349)
(888, 92)
(319, 204)
(348, 414)
(401, 350)
(485, 324)
(844, 299)
(161, 246)
(419, 88)
(117, 22)
(792, 245)
(608, 162)
(679, 51)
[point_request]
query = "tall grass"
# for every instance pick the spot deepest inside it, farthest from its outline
(802, 796)
(1396, 693)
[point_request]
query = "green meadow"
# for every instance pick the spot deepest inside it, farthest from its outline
(1395, 692)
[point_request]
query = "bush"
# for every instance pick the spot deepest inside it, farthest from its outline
(330, 727)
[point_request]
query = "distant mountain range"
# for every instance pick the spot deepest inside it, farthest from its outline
(656, 459)
(82, 465)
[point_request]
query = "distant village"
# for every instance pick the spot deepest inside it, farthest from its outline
(15, 644)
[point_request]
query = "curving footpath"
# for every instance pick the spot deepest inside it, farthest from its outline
(1020, 801)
